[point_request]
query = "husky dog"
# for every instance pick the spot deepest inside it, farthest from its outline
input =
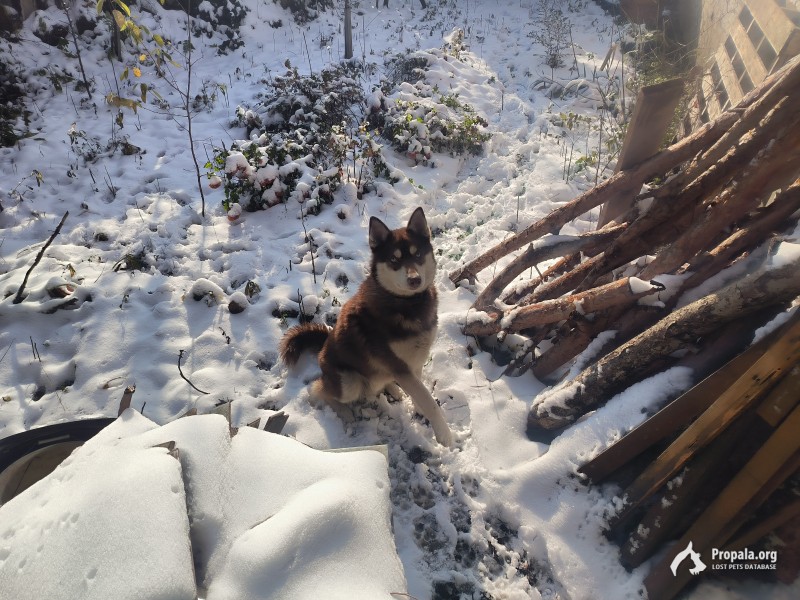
(384, 333)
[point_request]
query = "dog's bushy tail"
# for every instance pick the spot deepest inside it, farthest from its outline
(299, 339)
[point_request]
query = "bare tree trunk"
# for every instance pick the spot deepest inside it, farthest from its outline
(348, 31)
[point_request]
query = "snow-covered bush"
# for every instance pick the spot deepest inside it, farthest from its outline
(419, 119)
(13, 112)
(311, 133)
(304, 11)
(438, 123)
(306, 136)
(221, 16)
(551, 29)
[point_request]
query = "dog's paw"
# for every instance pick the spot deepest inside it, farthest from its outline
(393, 393)
(445, 437)
(345, 412)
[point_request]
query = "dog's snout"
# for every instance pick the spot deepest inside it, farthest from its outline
(413, 278)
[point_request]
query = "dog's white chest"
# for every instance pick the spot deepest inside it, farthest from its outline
(414, 351)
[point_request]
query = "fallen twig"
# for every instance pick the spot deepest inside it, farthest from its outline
(180, 356)
(18, 298)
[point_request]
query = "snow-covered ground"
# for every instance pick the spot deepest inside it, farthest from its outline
(498, 516)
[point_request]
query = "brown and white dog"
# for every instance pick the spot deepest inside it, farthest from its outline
(385, 332)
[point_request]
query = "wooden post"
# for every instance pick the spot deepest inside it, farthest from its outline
(655, 107)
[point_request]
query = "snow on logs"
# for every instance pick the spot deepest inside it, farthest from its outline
(623, 291)
(775, 284)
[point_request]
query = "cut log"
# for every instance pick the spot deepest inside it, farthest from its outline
(617, 370)
(552, 311)
(780, 161)
(704, 145)
(561, 266)
(676, 197)
(683, 410)
(754, 106)
(763, 222)
(541, 250)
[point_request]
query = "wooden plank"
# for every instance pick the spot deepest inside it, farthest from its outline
(666, 519)
(765, 526)
(782, 399)
(661, 521)
(767, 489)
(681, 411)
(770, 466)
(752, 385)
(654, 110)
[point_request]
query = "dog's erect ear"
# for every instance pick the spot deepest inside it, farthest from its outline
(378, 232)
(418, 225)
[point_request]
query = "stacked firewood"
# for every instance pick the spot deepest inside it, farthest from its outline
(709, 201)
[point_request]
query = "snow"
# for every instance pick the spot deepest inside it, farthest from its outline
(639, 286)
(266, 516)
(786, 254)
(153, 278)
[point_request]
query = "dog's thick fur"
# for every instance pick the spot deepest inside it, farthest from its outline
(384, 333)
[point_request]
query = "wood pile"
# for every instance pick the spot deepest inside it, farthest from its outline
(722, 195)
(717, 468)
(726, 472)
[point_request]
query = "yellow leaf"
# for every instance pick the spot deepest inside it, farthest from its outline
(123, 6)
(115, 100)
(142, 57)
(100, 6)
(119, 18)
(158, 39)
(137, 72)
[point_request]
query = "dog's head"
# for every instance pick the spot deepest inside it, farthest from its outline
(402, 259)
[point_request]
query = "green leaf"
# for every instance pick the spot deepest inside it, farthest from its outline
(143, 88)
(158, 39)
(100, 6)
(124, 75)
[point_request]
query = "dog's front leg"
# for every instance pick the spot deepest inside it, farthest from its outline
(426, 405)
